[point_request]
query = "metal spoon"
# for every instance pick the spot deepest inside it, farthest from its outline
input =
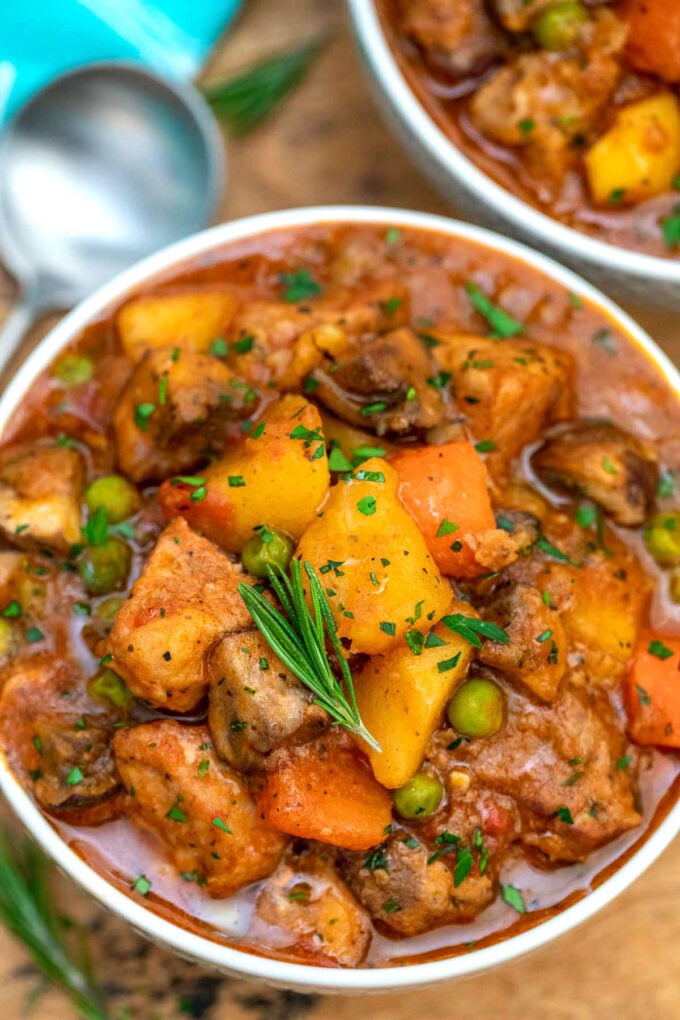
(105, 165)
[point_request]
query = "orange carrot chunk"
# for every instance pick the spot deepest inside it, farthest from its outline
(653, 43)
(652, 692)
(325, 790)
(444, 488)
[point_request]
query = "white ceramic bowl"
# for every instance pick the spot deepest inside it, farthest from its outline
(627, 275)
(276, 972)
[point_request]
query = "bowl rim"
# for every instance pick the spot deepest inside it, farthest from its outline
(543, 229)
(171, 935)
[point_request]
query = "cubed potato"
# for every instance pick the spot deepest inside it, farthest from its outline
(639, 156)
(184, 602)
(188, 319)
(401, 697)
(173, 413)
(198, 807)
(369, 552)
(40, 492)
(278, 477)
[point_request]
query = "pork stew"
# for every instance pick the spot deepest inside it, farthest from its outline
(339, 577)
(572, 105)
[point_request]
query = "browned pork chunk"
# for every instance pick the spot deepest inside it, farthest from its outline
(306, 907)
(185, 601)
(604, 463)
(291, 338)
(255, 702)
(536, 654)
(173, 412)
(408, 889)
(387, 384)
(457, 36)
(59, 740)
(40, 490)
(509, 391)
(549, 104)
(199, 808)
(566, 766)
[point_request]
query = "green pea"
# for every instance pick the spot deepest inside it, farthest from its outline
(268, 548)
(107, 609)
(556, 28)
(74, 370)
(419, 797)
(108, 686)
(662, 538)
(476, 708)
(105, 568)
(6, 638)
(114, 495)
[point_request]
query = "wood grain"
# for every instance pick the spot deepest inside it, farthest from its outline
(329, 146)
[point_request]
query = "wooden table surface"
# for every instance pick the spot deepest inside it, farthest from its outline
(329, 146)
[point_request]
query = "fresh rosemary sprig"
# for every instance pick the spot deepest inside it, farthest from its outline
(299, 640)
(247, 99)
(27, 909)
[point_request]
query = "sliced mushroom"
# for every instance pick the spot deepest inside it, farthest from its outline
(602, 462)
(389, 384)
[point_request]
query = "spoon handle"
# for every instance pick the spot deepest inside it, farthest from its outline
(14, 328)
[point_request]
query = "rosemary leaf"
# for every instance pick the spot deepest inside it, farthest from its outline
(28, 911)
(247, 99)
(298, 636)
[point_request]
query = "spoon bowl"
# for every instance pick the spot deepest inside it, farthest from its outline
(104, 166)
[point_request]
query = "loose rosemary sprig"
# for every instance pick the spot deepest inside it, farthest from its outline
(27, 909)
(247, 99)
(299, 640)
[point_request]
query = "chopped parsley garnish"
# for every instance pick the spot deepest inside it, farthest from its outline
(545, 636)
(551, 550)
(367, 506)
(369, 476)
(502, 324)
(513, 897)
(391, 306)
(74, 777)
(222, 826)
(393, 236)
(666, 485)
(12, 610)
(142, 414)
(586, 516)
(142, 885)
(244, 345)
(299, 285)
(34, 634)
(624, 762)
(375, 408)
(363, 453)
(96, 531)
(376, 860)
(434, 641)
(609, 467)
(659, 649)
(176, 814)
(463, 866)
(564, 815)
(485, 446)
(670, 228)
(236, 481)
(337, 460)
(219, 348)
(388, 628)
(447, 842)
(474, 630)
(391, 906)
(415, 640)
(446, 664)
(162, 389)
(526, 125)
(446, 528)
(203, 767)
(643, 696)
(439, 381)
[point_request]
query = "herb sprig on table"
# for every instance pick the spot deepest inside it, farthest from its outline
(298, 636)
(28, 910)
(248, 98)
